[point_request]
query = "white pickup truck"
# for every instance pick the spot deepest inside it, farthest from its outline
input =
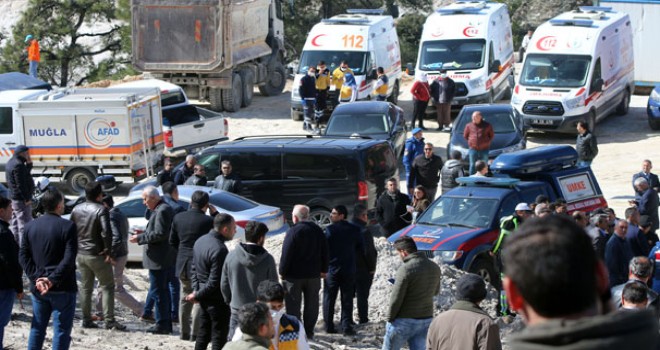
(186, 128)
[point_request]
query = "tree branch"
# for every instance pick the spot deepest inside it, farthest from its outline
(113, 45)
(113, 30)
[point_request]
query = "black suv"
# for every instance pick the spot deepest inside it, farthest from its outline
(318, 171)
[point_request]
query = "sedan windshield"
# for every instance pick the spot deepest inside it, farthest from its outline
(357, 61)
(547, 70)
(363, 124)
(502, 121)
(452, 54)
(462, 212)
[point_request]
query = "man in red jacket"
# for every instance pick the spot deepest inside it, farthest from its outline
(479, 134)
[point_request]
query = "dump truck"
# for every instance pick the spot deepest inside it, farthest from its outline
(217, 50)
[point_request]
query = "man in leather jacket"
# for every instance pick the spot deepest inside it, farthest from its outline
(95, 255)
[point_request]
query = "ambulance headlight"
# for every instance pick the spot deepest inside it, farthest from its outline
(655, 95)
(575, 102)
(478, 83)
(516, 100)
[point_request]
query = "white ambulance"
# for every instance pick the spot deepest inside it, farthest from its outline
(472, 41)
(365, 40)
(578, 66)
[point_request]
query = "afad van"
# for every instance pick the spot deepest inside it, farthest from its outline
(579, 66)
(365, 39)
(472, 41)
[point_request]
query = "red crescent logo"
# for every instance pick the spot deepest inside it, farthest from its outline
(546, 43)
(316, 37)
(470, 31)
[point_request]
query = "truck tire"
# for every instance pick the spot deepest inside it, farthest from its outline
(622, 108)
(394, 97)
(485, 268)
(320, 216)
(215, 98)
(233, 98)
(76, 180)
(275, 81)
(248, 86)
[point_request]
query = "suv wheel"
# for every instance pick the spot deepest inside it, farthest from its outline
(320, 216)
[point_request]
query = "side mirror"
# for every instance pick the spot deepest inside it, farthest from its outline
(289, 71)
(598, 85)
(372, 75)
(495, 67)
(410, 68)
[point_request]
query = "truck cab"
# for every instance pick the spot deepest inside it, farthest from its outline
(462, 225)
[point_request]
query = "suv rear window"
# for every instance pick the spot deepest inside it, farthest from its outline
(231, 202)
(380, 162)
(313, 166)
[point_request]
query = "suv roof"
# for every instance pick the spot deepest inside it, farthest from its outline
(300, 141)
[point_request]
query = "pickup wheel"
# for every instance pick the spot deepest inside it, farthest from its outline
(215, 98)
(248, 86)
(233, 98)
(320, 216)
(76, 180)
(394, 97)
(485, 268)
(274, 82)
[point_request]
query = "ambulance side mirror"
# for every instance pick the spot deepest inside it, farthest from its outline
(597, 86)
(410, 69)
(372, 75)
(495, 67)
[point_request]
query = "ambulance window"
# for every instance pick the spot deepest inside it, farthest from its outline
(596, 76)
(6, 121)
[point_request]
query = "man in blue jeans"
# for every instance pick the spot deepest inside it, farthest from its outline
(48, 257)
(411, 304)
(478, 134)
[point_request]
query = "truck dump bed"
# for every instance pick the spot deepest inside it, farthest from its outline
(198, 35)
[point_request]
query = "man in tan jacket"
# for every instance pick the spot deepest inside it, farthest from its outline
(465, 325)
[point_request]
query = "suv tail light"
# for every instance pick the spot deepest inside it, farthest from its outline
(241, 223)
(140, 172)
(363, 191)
(169, 143)
(226, 127)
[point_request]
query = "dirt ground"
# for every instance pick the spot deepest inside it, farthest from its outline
(623, 142)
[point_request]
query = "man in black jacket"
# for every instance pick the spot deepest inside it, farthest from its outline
(11, 285)
(209, 254)
(647, 201)
(650, 177)
(167, 174)
(366, 261)
(48, 257)
(344, 241)
(227, 180)
(95, 255)
(303, 263)
(186, 171)
(307, 91)
(21, 188)
(426, 172)
(389, 208)
(186, 229)
(585, 144)
(452, 170)
(198, 177)
(158, 256)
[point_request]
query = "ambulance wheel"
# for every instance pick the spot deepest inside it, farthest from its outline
(215, 98)
(485, 268)
(233, 98)
(491, 98)
(248, 86)
(275, 81)
(76, 180)
(296, 116)
(654, 124)
(592, 122)
(394, 97)
(622, 108)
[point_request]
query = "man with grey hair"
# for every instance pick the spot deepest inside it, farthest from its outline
(639, 272)
(646, 201)
(186, 171)
(158, 257)
(303, 263)
(598, 233)
(646, 173)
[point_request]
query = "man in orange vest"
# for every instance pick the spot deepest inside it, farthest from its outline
(33, 54)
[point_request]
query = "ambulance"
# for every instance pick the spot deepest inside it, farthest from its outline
(74, 135)
(365, 39)
(472, 41)
(579, 66)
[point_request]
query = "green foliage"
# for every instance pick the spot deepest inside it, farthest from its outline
(67, 42)
(409, 28)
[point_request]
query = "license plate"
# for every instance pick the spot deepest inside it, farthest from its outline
(542, 121)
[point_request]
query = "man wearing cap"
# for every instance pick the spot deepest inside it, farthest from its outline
(21, 186)
(465, 325)
(33, 54)
(414, 147)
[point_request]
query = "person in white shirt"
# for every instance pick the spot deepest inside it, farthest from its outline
(525, 42)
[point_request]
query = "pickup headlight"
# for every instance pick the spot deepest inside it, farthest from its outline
(448, 256)
(464, 151)
(516, 147)
(477, 83)
(655, 96)
(575, 102)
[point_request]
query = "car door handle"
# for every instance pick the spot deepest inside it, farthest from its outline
(10, 143)
(197, 126)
